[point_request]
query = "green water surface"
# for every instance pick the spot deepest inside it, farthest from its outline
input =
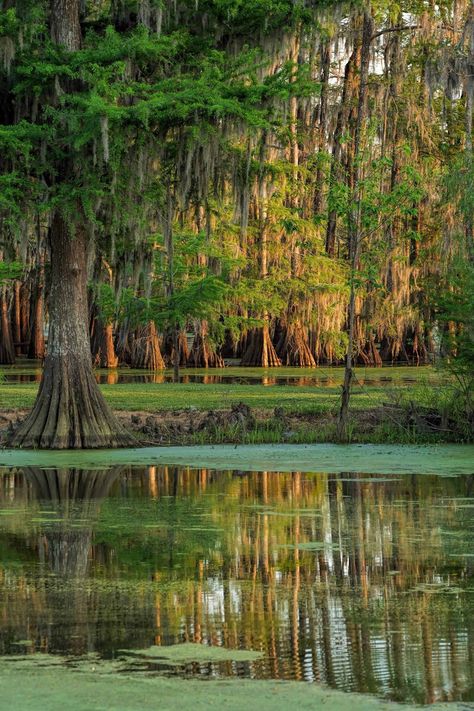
(353, 580)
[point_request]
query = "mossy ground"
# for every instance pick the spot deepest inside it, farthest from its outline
(32, 684)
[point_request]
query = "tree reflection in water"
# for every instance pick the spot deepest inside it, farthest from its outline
(365, 583)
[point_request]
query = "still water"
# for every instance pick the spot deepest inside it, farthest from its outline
(364, 582)
(299, 377)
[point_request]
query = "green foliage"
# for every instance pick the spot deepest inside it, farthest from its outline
(9, 271)
(107, 302)
(455, 311)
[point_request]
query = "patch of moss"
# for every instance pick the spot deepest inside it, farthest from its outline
(188, 652)
(94, 686)
(446, 460)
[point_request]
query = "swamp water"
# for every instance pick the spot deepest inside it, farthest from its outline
(360, 581)
(324, 376)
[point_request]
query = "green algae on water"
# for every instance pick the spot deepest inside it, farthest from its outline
(189, 652)
(94, 686)
(443, 460)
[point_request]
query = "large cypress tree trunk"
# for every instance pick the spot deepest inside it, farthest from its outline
(260, 350)
(70, 411)
(203, 354)
(145, 351)
(293, 347)
(102, 344)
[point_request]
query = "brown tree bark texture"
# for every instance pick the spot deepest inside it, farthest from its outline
(7, 349)
(145, 350)
(70, 411)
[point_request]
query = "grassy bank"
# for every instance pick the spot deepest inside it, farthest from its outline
(152, 397)
(388, 405)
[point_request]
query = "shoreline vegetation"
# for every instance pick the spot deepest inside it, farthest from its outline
(247, 406)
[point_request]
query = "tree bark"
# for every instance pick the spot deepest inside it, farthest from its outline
(293, 347)
(7, 349)
(145, 351)
(203, 355)
(70, 411)
(36, 344)
(103, 347)
(354, 220)
(65, 24)
(260, 350)
(17, 318)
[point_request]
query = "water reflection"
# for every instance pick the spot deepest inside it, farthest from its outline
(69, 504)
(363, 582)
(325, 379)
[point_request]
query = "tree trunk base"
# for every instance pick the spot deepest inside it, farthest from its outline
(260, 350)
(202, 356)
(70, 412)
(145, 351)
(102, 343)
(169, 349)
(293, 347)
(369, 356)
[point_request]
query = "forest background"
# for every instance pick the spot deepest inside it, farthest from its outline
(280, 182)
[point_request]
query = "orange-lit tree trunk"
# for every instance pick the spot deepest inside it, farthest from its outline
(36, 344)
(145, 349)
(7, 349)
(203, 354)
